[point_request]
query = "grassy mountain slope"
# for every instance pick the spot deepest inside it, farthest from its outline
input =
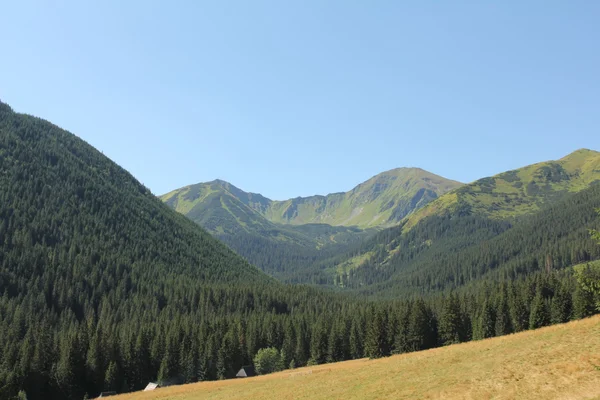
(474, 214)
(519, 192)
(382, 200)
(222, 209)
(287, 238)
(225, 210)
(454, 250)
(283, 251)
(557, 362)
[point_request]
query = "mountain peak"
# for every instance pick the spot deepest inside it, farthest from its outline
(220, 182)
(581, 153)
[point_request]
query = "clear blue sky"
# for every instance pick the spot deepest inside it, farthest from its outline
(291, 98)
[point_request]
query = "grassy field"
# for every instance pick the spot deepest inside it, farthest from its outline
(559, 362)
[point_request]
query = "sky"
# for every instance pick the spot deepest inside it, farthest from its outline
(301, 97)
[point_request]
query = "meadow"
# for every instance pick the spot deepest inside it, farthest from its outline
(557, 362)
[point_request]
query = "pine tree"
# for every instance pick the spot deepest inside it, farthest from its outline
(422, 332)
(561, 306)
(540, 315)
(503, 323)
(518, 309)
(376, 341)
(583, 303)
(335, 344)
(356, 340)
(301, 352)
(450, 322)
(318, 343)
(111, 379)
(486, 327)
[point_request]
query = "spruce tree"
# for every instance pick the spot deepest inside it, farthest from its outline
(503, 323)
(450, 322)
(540, 316)
(356, 340)
(111, 380)
(318, 343)
(376, 341)
(486, 323)
(561, 306)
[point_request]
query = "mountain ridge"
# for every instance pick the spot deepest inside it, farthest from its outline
(382, 200)
(519, 191)
(555, 196)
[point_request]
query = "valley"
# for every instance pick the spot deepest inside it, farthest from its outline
(106, 288)
(299, 200)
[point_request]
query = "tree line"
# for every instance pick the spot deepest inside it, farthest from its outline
(208, 333)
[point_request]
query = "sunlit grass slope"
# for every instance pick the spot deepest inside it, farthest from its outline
(382, 200)
(521, 191)
(559, 362)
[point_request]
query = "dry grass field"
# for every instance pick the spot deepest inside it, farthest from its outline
(559, 362)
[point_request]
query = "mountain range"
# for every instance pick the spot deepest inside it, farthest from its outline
(518, 221)
(321, 239)
(381, 201)
(285, 238)
(522, 191)
(104, 288)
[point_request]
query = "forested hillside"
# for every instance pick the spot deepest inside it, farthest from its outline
(464, 244)
(79, 237)
(452, 251)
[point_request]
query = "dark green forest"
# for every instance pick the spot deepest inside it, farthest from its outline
(103, 287)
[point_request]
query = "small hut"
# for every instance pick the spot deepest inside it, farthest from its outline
(246, 371)
(151, 386)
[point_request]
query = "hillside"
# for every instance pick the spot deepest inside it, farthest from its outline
(519, 192)
(85, 247)
(381, 201)
(63, 198)
(287, 239)
(557, 362)
(283, 251)
(463, 244)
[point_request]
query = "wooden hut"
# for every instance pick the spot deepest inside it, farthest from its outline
(246, 371)
(151, 386)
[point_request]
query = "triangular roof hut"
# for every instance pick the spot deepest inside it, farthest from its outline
(151, 386)
(246, 371)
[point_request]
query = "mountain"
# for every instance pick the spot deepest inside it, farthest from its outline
(521, 191)
(485, 229)
(381, 201)
(285, 252)
(287, 238)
